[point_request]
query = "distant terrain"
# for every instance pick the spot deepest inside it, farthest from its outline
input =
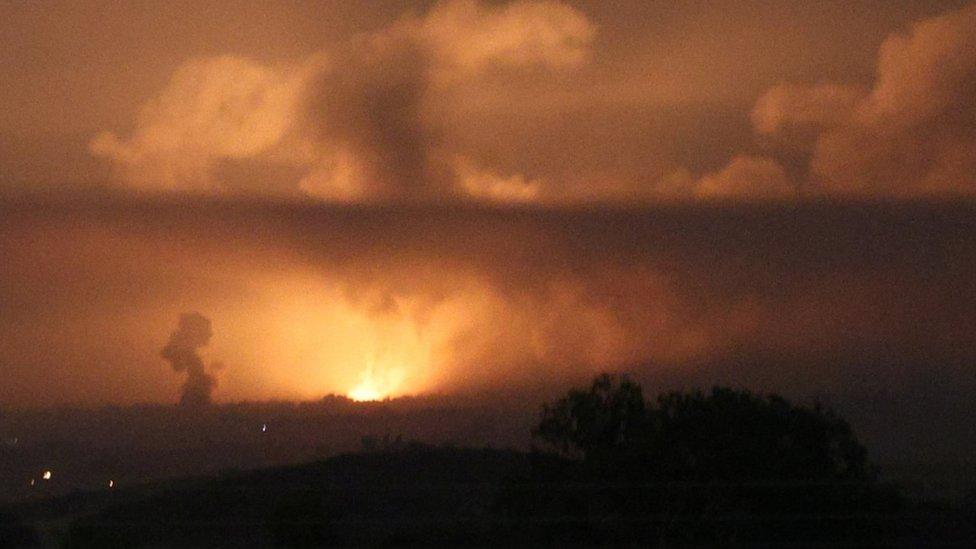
(409, 493)
(87, 449)
(449, 471)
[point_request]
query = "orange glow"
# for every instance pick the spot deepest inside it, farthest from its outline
(322, 340)
(365, 392)
(373, 386)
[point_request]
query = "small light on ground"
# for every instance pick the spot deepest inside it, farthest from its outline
(46, 475)
(264, 427)
(111, 484)
(32, 481)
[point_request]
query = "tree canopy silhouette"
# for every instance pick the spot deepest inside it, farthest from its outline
(726, 434)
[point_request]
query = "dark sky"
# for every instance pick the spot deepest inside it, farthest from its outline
(451, 196)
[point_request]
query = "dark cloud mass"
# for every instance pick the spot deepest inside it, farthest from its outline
(877, 297)
(373, 115)
(181, 351)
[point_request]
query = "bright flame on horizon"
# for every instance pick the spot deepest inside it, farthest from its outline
(319, 326)
(373, 387)
(365, 392)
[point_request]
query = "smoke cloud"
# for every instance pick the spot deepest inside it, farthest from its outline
(465, 299)
(193, 332)
(386, 116)
(912, 134)
(748, 178)
(214, 109)
(360, 122)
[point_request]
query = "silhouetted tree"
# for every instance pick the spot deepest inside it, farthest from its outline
(698, 468)
(723, 435)
(609, 416)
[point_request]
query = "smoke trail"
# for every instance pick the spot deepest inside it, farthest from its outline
(194, 331)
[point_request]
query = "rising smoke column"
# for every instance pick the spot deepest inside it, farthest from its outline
(194, 331)
(370, 119)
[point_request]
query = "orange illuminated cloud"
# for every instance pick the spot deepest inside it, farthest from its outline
(910, 135)
(391, 115)
(354, 120)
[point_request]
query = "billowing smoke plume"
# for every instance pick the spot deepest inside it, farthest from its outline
(853, 297)
(392, 115)
(193, 332)
(911, 134)
(361, 122)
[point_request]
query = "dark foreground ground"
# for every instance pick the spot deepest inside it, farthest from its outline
(85, 449)
(411, 494)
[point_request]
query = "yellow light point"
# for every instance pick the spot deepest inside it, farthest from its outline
(111, 484)
(46, 475)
